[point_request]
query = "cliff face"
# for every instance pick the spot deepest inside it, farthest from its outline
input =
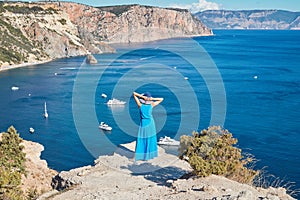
(142, 23)
(41, 31)
(133, 23)
(37, 32)
(38, 174)
(250, 19)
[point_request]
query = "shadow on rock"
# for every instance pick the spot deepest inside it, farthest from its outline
(156, 173)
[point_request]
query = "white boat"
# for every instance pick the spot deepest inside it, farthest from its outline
(104, 126)
(168, 141)
(14, 88)
(115, 102)
(103, 95)
(31, 130)
(45, 111)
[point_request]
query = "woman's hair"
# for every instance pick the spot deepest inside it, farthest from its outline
(147, 94)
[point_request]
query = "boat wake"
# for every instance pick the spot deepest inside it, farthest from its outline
(146, 58)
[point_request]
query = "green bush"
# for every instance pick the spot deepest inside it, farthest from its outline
(11, 165)
(212, 152)
(1, 7)
(63, 21)
(23, 9)
(118, 9)
(51, 10)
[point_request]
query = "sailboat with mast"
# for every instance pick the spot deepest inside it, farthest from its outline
(45, 111)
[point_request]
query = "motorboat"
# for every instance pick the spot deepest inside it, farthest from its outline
(168, 141)
(103, 95)
(104, 126)
(14, 88)
(115, 102)
(31, 130)
(45, 111)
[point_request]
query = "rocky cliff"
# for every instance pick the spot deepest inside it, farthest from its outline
(250, 19)
(38, 176)
(119, 177)
(32, 32)
(144, 23)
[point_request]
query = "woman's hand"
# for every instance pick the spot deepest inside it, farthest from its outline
(136, 94)
(139, 95)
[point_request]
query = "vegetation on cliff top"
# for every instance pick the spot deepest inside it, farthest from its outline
(27, 9)
(212, 152)
(11, 165)
(119, 9)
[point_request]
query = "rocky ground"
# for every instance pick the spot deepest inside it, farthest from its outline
(120, 177)
(38, 176)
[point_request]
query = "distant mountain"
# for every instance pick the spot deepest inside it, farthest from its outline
(250, 19)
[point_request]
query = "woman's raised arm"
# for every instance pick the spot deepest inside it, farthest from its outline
(156, 101)
(135, 96)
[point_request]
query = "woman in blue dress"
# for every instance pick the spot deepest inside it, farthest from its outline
(146, 143)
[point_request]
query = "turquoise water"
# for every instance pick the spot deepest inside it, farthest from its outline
(259, 70)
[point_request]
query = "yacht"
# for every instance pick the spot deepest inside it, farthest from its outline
(103, 95)
(31, 130)
(104, 126)
(45, 111)
(14, 88)
(168, 141)
(115, 102)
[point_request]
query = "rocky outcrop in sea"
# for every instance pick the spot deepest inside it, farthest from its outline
(39, 31)
(90, 59)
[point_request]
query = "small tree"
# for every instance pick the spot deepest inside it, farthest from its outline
(11, 165)
(212, 152)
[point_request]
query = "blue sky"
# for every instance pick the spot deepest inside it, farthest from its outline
(199, 5)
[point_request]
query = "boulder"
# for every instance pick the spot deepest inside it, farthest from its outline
(90, 59)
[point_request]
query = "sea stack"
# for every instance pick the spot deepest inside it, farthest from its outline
(90, 59)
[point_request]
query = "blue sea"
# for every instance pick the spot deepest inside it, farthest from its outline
(246, 81)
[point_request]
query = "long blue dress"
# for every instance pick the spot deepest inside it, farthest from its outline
(146, 143)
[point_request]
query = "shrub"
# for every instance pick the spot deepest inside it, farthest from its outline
(23, 9)
(63, 21)
(212, 152)
(11, 165)
(51, 10)
(118, 9)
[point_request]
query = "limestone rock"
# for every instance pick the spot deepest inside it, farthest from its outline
(90, 59)
(38, 175)
(66, 179)
(51, 30)
(120, 177)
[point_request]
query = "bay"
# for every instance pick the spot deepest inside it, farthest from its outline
(246, 81)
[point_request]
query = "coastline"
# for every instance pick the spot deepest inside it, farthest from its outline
(8, 67)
